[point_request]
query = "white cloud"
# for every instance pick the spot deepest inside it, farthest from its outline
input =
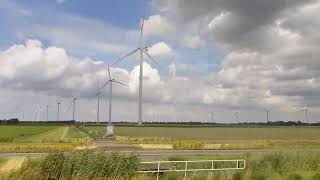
(151, 77)
(160, 49)
(157, 25)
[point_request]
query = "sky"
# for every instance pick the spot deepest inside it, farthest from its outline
(215, 56)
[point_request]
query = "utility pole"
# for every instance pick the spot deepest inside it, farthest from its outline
(267, 111)
(74, 109)
(58, 112)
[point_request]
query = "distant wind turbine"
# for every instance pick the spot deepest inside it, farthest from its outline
(306, 113)
(110, 82)
(73, 102)
(267, 112)
(58, 111)
(98, 97)
(142, 50)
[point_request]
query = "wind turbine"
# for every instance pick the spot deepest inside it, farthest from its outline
(58, 111)
(142, 50)
(267, 112)
(73, 102)
(236, 116)
(110, 82)
(306, 113)
(47, 115)
(98, 96)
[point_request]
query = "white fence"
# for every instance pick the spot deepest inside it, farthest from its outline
(216, 165)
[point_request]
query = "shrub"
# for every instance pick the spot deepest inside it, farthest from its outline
(294, 177)
(237, 176)
(188, 145)
(80, 165)
(258, 176)
(316, 176)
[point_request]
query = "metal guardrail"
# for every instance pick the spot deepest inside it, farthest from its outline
(237, 164)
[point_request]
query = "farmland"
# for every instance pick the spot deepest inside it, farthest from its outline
(285, 160)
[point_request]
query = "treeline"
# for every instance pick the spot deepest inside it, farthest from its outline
(146, 123)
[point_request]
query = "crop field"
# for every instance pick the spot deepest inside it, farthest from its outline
(41, 138)
(223, 133)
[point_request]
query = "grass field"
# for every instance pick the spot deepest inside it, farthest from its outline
(41, 138)
(222, 133)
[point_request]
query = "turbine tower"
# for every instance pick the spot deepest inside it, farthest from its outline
(142, 50)
(47, 115)
(98, 104)
(58, 111)
(110, 82)
(73, 102)
(306, 113)
(267, 112)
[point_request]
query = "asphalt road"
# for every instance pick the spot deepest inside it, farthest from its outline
(151, 153)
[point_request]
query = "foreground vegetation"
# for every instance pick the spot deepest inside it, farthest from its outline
(80, 165)
(281, 165)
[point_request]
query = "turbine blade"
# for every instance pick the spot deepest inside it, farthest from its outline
(69, 106)
(109, 72)
(120, 83)
(98, 83)
(141, 31)
(125, 56)
(104, 85)
(151, 58)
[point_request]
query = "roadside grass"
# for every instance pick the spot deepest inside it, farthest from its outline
(279, 165)
(78, 165)
(38, 147)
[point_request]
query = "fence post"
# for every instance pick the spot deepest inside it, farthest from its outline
(185, 168)
(158, 170)
(237, 164)
(211, 168)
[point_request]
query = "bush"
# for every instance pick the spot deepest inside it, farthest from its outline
(237, 176)
(258, 176)
(316, 176)
(294, 177)
(80, 165)
(188, 145)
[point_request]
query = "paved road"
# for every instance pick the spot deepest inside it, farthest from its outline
(149, 153)
(162, 153)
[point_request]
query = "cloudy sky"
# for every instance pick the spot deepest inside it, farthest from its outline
(220, 56)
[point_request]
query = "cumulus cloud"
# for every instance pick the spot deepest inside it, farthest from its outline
(160, 49)
(157, 25)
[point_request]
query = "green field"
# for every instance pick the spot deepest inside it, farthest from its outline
(223, 133)
(41, 138)
(40, 133)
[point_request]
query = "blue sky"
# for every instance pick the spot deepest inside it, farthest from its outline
(229, 55)
(102, 21)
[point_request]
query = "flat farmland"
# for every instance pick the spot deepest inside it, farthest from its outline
(223, 133)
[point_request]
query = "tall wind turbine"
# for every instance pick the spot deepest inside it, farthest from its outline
(142, 50)
(110, 82)
(73, 102)
(267, 112)
(98, 96)
(58, 111)
(306, 113)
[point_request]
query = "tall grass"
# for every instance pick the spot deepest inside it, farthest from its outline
(80, 165)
